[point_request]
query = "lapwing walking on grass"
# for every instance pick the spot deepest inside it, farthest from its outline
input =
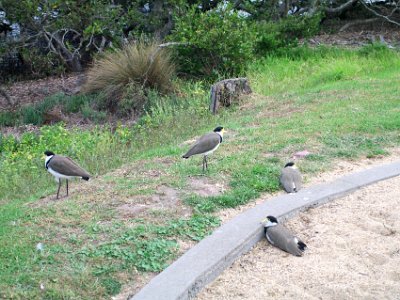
(62, 167)
(278, 236)
(291, 178)
(206, 145)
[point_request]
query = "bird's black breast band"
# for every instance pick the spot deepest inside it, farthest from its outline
(47, 164)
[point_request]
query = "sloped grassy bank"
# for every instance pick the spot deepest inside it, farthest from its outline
(338, 104)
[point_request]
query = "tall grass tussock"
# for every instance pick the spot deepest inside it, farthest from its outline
(129, 72)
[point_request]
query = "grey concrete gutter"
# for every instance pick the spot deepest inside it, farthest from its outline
(204, 262)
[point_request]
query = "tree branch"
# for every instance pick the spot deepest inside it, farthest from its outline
(336, 11)
(358, 22)
(380, 15)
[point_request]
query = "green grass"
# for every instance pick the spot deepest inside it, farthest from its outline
(338, 104)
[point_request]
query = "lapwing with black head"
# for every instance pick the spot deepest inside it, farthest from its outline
(291, 178)
(206, 145)
(280, 237)
(62, 167)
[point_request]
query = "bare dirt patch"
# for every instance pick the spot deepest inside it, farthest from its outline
(165, 199)
(202, 186)
(357, 37)
(33, 91)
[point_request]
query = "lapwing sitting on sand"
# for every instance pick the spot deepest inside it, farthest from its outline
(206, 145)
(280, 237)
(291, 178)
(63, 167)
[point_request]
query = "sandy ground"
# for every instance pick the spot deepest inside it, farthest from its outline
(353, 249)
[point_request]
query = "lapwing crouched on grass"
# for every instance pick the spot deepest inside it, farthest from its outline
(282, 238)
(291, 178)
(206, 145)
(62, 167)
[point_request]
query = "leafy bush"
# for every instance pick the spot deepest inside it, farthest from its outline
(34, 114)
(8, 118)
(89, 113)
(286, 32)
(218, 41)
(126, 72)
(39, 64)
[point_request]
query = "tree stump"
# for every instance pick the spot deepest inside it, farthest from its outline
(227, 92)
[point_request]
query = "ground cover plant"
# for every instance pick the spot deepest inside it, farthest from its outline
(141, 209)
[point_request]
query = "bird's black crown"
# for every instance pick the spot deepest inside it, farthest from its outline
(272, 219)
(218, 129)
(48, 153)
(289, 164)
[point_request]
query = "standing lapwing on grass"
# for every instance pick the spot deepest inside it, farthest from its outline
(63, 167)
(291, 178)
(282, 238)
(206, 145)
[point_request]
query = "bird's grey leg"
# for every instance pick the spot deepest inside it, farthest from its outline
(67, 187)
(206, 162)
(59, 186)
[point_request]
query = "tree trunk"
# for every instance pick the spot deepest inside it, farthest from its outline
(227, 92)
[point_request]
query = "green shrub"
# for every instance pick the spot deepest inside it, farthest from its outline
(74, 104)
(39, 64)
(133, 99)
(216, 42)
(89, 113)
(31, 115)
(274, 35)
(9, 118)
(34, 114)
(126, 72)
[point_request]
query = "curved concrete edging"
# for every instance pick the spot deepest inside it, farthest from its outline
(184, 278)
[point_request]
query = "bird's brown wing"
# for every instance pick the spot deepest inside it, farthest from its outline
(66, 166)
(205, 143)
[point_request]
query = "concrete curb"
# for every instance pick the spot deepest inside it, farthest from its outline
(204, 262)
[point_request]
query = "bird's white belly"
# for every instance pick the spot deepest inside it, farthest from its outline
(212, 150)
(57, 175)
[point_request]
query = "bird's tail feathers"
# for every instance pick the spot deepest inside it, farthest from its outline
(85, 178)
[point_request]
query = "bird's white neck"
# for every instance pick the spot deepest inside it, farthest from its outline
(221, 135)
(270, 224)
(47, 159)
